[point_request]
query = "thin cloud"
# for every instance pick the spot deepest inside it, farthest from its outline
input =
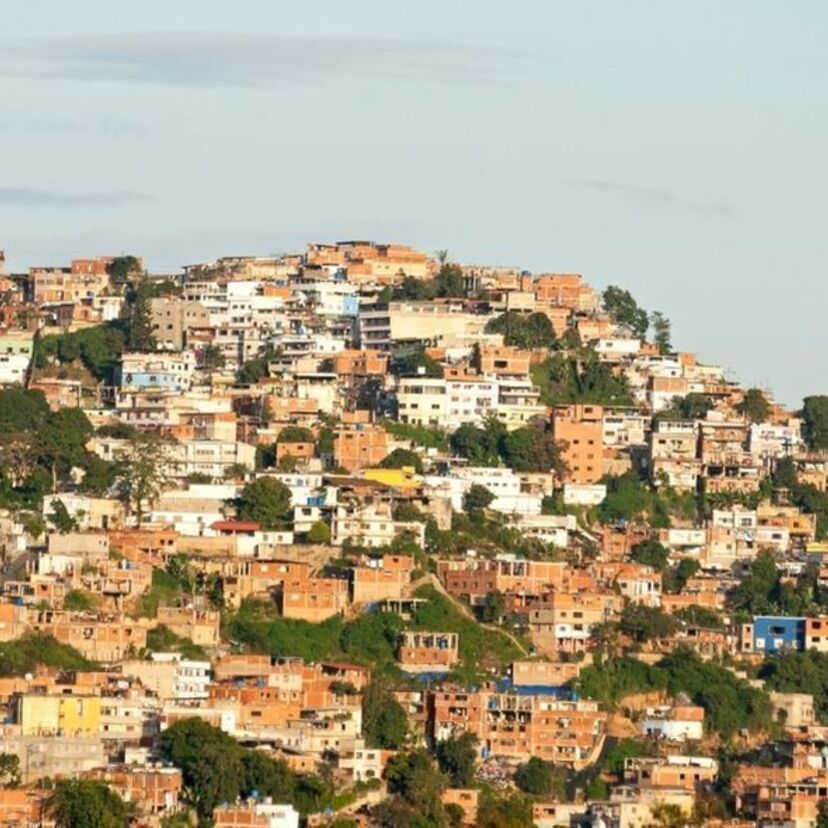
(210, 59)
(25, 197)
(653, 197)
(107, 126)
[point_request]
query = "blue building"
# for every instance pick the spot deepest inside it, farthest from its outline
(777, 633)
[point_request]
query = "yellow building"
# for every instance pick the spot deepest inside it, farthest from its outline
(404, 478)
(64, 715)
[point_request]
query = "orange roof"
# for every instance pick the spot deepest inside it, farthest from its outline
(236, 526)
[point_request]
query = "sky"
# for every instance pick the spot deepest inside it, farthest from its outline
(674, 148)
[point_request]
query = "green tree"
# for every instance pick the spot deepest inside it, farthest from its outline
(408, 513)
(754, 406)
(513, 811)
(34, 524)
(99, 475)
(527, 331)
(480, 446)
(644, 623)
(627, 498)
(270, 777)
(384, 722)
(697, 616)
(162, 639)
(815, 422)
(61, 519)
(266, 501)
(609, 680)
(650, 553)
(86, 803)
(121, 268)
(253, 370)
(794, 672)
(532, 448)
(9, 770)
(415, 363)
(476, 498)
(419, 435)
(449, 281)
(60, 442)
(494, 605)
(822, 814)
(27, 653)
(730, 703)
(674, 578)
(22, 410)
(139, 324)
(661, 332)
(296, 434)
(182, 819)
(693, 406)
(77, 600)
(535, 777)
(210, 762)
(580, 377)
(624, 310)
(235, 471)
(403, 458)
(212, 358)
(146, 465)
(456, 757)
(413, 777)
(320, 532)
(755, 592)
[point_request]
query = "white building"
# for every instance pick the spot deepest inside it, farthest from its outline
(615, 349)
(372, 525)
(552, 529)
(192, 678)
(449, 403)
(766, 440)
(625, 428)
(209, 457)
(15, 356)
(584, 494)
(169, 371)
(675, 724)
(259, 812)
(503, 483)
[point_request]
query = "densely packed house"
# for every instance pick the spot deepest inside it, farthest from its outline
(361, 535)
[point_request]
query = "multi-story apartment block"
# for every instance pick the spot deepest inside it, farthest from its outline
(519, 727)
(580, 428)
(107, 639)
(314, 599)
(169, 372)
(358, 443)
(172, 319)
(563, 622)
(379, 578)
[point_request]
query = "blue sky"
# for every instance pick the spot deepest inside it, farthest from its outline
(676, 149)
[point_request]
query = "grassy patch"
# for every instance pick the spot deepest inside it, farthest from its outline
(480, 648)
(34, 649)
(165, 590)
(163, 640)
